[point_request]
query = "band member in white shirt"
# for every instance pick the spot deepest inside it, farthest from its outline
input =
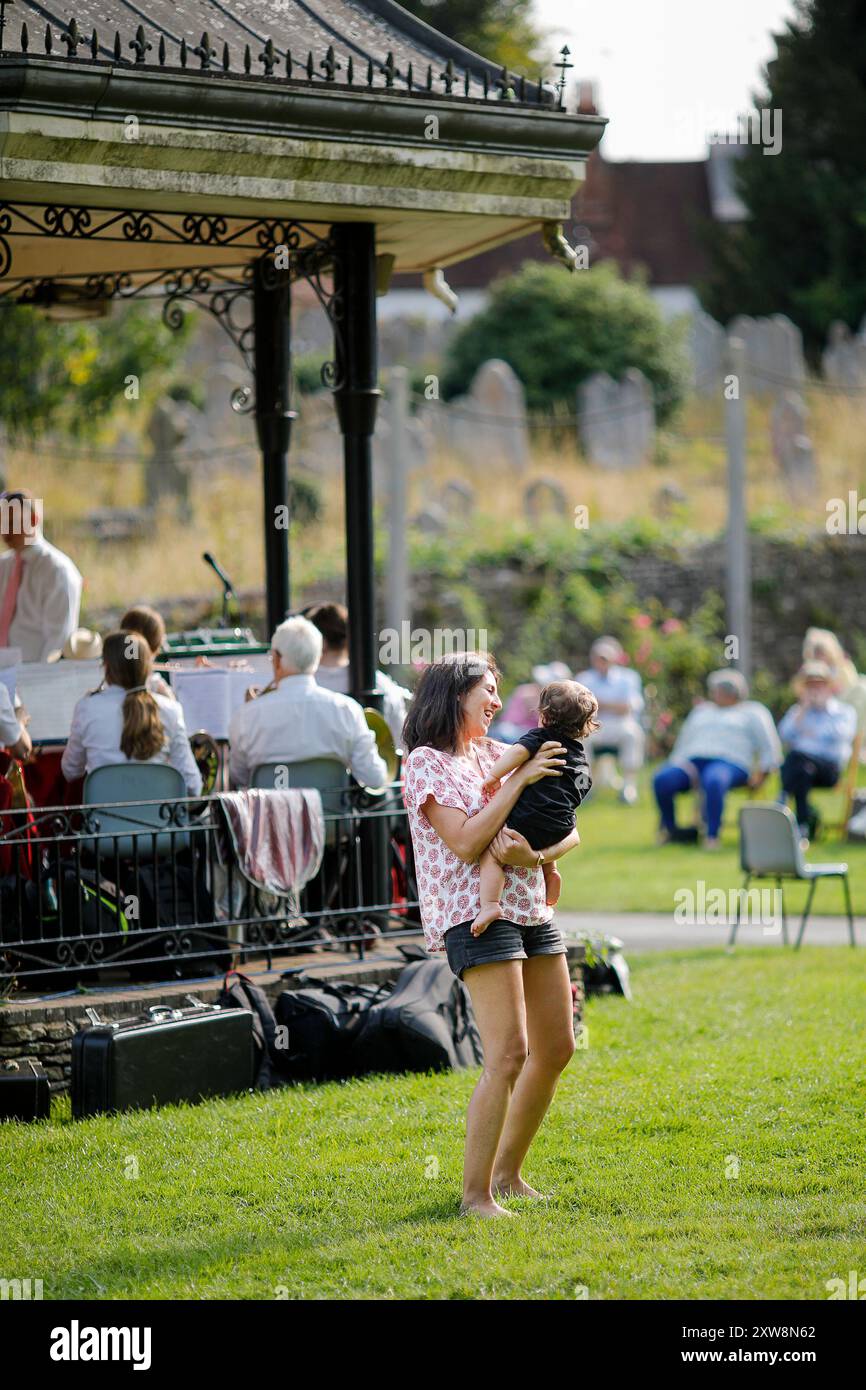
(332, 620)
(40, 588)
(124, 722)
(298, 719)
(13, 735)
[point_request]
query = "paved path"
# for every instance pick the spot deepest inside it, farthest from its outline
(644, 931)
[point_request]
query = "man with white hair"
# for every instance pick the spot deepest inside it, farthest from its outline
(299, 719)
(619, 692)
(727, 741)
(40, 588)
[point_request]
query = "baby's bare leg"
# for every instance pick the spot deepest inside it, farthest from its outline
(552, 884)
(492, 883)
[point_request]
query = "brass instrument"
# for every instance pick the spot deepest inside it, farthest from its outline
(384, 740)
(207, 757)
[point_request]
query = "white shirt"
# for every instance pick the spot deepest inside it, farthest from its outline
(10, 728)
(94, 738)
(300, 720)
(49, 599)
(743, 734)
(620, 685)
(395, 698)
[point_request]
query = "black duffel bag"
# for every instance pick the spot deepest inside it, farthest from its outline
(323, 1021)
(425, 1024)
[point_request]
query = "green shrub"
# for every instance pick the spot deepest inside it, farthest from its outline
(556, 329)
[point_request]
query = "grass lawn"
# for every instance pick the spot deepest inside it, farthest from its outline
(709, 1142)
(620, 868)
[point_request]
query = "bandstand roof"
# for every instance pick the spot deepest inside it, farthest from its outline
(125, 125)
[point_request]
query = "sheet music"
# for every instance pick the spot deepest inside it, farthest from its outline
(50, 691)
(209, 695)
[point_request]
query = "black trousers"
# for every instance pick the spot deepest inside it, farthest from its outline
(800, 773)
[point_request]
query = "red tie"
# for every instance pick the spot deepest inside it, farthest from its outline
(10, 598)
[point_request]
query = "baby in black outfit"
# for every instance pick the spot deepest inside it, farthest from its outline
(544, 811)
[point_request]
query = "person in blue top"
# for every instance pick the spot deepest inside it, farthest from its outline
(726, 741)
(619, 693)
(817, 733)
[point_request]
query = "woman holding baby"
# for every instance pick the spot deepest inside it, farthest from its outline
(487, 892)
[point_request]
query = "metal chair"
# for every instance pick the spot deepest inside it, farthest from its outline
(770, 848)
(327, 776)
(153, 784)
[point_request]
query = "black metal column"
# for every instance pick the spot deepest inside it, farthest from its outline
(357, 397)
(272, 347)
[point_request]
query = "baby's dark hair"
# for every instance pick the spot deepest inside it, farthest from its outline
(570, 707)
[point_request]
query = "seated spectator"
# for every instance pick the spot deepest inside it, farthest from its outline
(300, 719)
(40, 588)
(150, 625)
(847, 685)
(818, 732)
(619, 692)
(726, 741)
(13, 735)
(332, 620)
(124, 722)
(520, 711)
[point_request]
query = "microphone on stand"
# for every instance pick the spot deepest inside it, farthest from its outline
(228, 587)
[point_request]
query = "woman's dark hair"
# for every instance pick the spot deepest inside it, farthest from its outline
(128, 661)
(433, 720)
(148, 622)
(332, 620)
(569, 707)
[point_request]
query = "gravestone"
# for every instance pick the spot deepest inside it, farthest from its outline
(707, 351)
(844, 358)
(430, 520)
(616, 420)
(489, 423)
(544, 497)
(458, 499)
(774, 352)
(792, 447)
(166, 475)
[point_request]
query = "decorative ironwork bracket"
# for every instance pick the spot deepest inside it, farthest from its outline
(223, 291)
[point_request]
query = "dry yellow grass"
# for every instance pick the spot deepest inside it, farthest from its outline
(227, 503)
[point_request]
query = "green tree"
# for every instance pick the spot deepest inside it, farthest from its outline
(802, 251)
(499, 29)
(71, 375)
(555, 329)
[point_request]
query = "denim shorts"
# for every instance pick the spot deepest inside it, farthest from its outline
(501, 941)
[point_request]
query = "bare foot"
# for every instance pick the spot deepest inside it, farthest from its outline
(489, 912)
(516, 1187)
(712, 843)
(553, 885)
(486, 1207)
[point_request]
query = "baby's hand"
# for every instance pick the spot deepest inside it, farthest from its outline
(491, 785)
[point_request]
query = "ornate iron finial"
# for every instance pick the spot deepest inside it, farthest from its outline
(140, 44)
(248, 59)
(369, 72)
(94, 45)
(4, 4)
(268, 57)
(350, 70)
(289, 63)
(329, 65)
(118, 48)
(48, 39)
(449, 76)
(563, 65)
(226, 58)
(409, 79)
(161, 50)
(466, 81)
(389, 67)
(310, 68)
(183, 53)
(503, 85)
(429, 77)
(204, 52)
(25, 38)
